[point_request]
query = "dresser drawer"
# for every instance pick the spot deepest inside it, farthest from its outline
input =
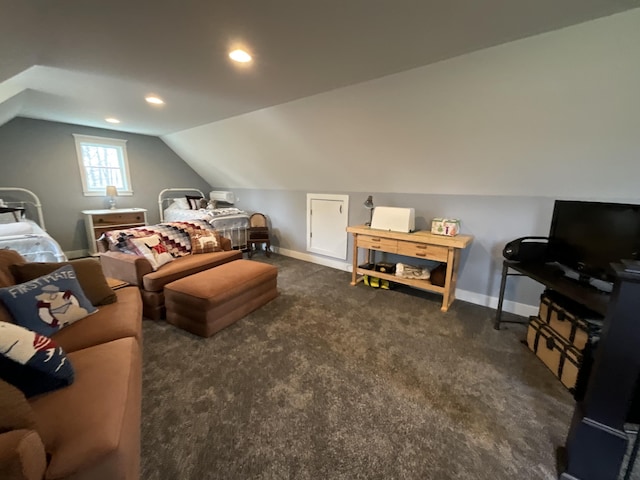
(421, 250)
(110, 219)
(377, 243)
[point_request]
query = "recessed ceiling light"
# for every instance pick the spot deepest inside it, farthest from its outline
(239, 56)
(112, 120)
(155, 100)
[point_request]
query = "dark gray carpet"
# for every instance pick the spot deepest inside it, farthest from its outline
(331, 381)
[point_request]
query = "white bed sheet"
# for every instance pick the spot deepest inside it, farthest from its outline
(35, 246)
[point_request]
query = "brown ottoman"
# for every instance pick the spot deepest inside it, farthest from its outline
(208, 301)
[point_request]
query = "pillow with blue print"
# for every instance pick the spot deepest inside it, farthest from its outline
(32, 362)
(47, 303)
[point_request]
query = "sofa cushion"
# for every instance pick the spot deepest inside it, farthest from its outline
(22, 455)
(94, 418)
(8, 258)
(32, 362)
(47, 303)
(155, 281)
(117, 320)
(15, 411)
(89, 272)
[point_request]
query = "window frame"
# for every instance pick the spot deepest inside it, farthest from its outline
(107, 142)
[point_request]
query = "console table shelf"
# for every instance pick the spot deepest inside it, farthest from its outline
(420, 244)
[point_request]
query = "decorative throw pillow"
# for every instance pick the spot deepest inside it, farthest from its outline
(47, 303)
(152, 249)
(88, 270)
(205, 242)
(32, 362)
(194, 202)
(212, 205)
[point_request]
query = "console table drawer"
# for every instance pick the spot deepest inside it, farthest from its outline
(421, 250)
(378, 243)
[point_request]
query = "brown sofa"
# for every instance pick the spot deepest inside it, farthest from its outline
(137, 271)
(91, 428)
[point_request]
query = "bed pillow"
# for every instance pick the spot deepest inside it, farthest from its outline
(181, 203)
(47, 303)
(32, 362)
(152, 249)
(88, 270)
(15, 228)
(205, 242)
(195, 202)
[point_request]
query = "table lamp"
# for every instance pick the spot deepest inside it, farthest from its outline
(112, 193)
(369, 204)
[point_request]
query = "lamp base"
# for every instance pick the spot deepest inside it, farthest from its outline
(112, 204)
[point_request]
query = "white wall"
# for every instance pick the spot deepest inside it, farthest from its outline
(551, 116)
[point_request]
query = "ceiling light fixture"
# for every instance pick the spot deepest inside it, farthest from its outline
(239, 56)
(112, 120)
(154, 100)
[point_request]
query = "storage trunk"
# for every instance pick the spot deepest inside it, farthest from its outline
(562, 358)
(570, 320)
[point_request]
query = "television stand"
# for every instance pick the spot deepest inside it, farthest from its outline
(585, 280)
(552, 277)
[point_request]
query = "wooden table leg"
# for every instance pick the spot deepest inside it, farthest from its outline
(354, 271)
(449, 283)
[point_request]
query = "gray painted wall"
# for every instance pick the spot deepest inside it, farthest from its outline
(492, 220)
(41, 156)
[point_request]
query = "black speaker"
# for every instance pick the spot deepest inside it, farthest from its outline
(527, 249)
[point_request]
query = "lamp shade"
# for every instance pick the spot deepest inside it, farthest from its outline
(112, 191)
(369, 202)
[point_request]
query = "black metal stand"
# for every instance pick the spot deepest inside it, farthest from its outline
(553, 278)
(596, 443)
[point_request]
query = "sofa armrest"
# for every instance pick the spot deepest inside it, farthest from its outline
(225, 243)
(22, 455)
(129, 268)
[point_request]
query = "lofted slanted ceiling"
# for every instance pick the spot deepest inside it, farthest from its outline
(79, 62)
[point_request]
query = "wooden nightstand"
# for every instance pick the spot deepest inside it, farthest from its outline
(99, 221)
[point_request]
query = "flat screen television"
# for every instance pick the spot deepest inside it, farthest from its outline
(588, 236)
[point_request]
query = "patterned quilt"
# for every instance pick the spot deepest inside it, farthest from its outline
(176, 236)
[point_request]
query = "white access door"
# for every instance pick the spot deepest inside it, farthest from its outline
(327, 220)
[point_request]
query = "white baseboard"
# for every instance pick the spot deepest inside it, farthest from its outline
(309, 257)
(516, 308)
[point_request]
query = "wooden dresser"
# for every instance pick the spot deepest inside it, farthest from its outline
(420, 244)
(99, 221)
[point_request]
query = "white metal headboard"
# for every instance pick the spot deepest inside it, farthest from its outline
(165, 197)
(33, 201)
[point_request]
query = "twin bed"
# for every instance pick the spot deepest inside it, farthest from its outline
(231, 222)
(22, 225)
(23, 228)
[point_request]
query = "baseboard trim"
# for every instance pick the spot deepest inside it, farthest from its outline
(516, 308)
(308, 257)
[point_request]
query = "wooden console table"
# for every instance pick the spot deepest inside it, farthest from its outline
(420, 244)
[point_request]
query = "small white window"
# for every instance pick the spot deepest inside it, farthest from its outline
(103, 161)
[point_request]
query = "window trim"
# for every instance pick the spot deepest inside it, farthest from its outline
(114, 142)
